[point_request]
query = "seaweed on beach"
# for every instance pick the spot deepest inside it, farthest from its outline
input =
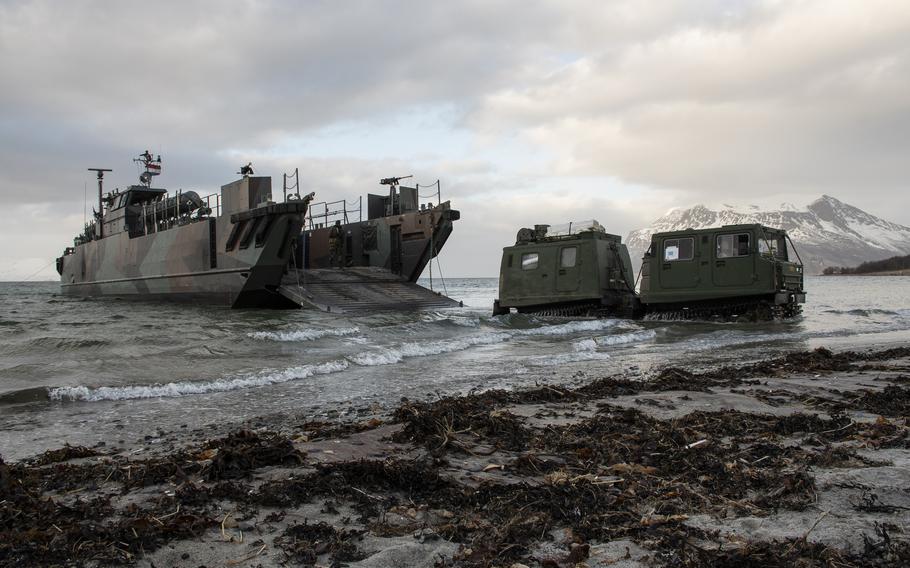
(240, 453)
(303, 544)
(455, 423)
(619, 474)
(893, 400)
(66, 453)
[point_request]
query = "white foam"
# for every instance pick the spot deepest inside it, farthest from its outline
(581, 326)
(585, 345)
(566, 358)
(303, 334)
(393, 355)
(624, 338)
(459, 320)
(591, 344)
(184, 388)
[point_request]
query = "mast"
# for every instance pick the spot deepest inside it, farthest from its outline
(100, 199)
(151, 165)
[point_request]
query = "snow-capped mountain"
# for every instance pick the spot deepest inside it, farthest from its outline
(827, 232)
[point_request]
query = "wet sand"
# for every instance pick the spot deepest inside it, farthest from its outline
(801, 460)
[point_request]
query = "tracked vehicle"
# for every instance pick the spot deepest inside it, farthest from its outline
(731, 272)
(578, 269)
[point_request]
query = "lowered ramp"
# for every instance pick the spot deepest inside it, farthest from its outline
(358, 289)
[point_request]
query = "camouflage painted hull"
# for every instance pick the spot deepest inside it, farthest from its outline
(194, 262)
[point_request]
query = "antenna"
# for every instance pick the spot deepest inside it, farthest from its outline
(100, 201)
(152, 167)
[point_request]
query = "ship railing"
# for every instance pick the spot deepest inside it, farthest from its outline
(213, 202)
(152, 222)
(573, 228)
(325, 213)
(431, 196)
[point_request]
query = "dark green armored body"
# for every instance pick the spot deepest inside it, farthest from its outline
(730, 271)
(579, 272)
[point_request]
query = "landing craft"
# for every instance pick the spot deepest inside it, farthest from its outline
(229, 248)
(383, 248)
(242, 249)
(730, 272)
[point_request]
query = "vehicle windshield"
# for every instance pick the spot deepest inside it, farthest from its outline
(774, 246)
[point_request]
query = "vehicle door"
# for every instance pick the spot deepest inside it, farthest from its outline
(678, 268)
(734, 260)
(568, 276)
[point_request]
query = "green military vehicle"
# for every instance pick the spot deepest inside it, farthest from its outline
(730, 272)
(734, 271)
(575, 270)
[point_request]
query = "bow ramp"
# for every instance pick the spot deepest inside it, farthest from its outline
(358, 289)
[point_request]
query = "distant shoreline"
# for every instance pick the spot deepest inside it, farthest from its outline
(903, 272)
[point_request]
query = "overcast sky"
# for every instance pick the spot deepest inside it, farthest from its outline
(529, 112)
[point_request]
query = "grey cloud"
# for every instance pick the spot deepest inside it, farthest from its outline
(805, 98)
(690, 99)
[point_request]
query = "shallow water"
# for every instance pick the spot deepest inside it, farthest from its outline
(98, 370)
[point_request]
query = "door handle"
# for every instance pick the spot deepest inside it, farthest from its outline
(667, 266)
(721, 263)
(562, 271)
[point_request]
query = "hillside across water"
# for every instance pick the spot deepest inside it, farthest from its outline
(827, 232)
(896, 265)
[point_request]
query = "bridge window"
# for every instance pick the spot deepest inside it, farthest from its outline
(733, 245)
(529, 261)
(567, 257)
(679, 249)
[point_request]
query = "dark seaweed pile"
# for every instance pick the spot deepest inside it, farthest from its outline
(618, 473)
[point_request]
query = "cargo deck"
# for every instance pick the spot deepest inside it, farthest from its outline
(359, 289)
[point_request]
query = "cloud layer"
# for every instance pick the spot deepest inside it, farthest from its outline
(528, 112)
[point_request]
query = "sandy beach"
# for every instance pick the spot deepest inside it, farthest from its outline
(800, 460)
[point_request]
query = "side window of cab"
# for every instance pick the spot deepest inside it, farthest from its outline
(679, 249)
(529, 261)
(567, 257)
(737, 244)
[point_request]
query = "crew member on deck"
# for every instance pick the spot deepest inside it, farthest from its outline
(336, 245)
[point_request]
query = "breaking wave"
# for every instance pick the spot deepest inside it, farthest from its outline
(405, 350)
(581, 326)
(565, 358)
(391, 355)
(592, 343)
(185, 388)
(303, 334)
(454, 319)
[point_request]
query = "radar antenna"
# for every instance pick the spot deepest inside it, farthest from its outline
(152, 166)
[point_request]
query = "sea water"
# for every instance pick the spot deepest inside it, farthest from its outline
(85, 371)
